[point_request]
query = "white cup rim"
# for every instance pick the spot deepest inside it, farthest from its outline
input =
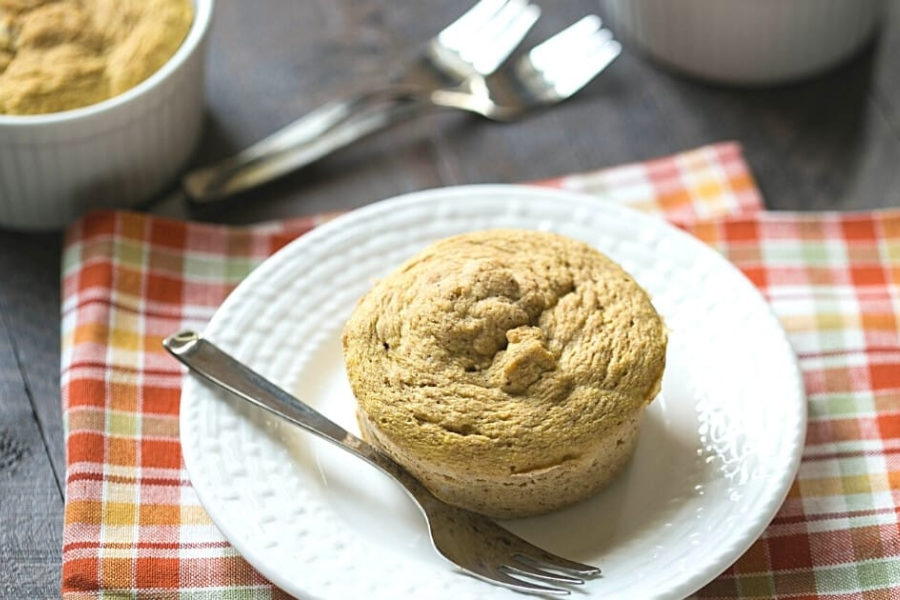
(202, 16)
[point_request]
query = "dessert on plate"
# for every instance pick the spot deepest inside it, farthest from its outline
(506, 369)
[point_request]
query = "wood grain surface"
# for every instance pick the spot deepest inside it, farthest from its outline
(832, 143)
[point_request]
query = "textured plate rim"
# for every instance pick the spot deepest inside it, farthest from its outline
(684, 583)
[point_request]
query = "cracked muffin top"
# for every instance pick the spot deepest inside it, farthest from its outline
(517, 349)
(58, 55)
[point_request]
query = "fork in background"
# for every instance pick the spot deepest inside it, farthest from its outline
(472, 542)
(548, 74)
(474, 45)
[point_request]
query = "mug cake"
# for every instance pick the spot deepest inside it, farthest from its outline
(506, 369)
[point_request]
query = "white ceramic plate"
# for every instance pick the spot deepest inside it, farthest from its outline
(717, 452)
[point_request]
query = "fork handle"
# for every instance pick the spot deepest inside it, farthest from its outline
(214, 364)
(325, 130)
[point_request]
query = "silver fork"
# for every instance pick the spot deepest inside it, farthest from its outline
(474, 543)
(474, 45)
(550, 73)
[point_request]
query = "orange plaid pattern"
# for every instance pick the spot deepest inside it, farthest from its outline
(834, 282)
(133, 525)
(708, 182)
(135, 528)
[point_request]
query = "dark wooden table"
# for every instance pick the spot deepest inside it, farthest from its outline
(831, 143)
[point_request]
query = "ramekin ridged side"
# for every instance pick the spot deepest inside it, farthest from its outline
(117, 153)
(746, 42)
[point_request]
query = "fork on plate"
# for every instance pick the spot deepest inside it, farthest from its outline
(460, 68)
(476, 544)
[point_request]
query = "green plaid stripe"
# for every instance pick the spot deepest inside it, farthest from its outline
(837, 291)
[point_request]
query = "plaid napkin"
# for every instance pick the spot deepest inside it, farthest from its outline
(135, 528)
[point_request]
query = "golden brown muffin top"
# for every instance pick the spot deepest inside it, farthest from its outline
(513, 348)
(58, 55)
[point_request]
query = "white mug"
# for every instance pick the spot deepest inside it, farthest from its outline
(746, 42)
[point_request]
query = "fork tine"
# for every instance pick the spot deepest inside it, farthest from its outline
(569, 81)
(502, 35)
(571, 59)
(563, 64)
(472, 20)
(605, 54)
(522, 567)
(482, 39)
(519, 585)
(556, 49)
(540, 557)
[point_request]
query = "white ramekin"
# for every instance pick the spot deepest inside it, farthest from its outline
(746, 42)
(116, 153)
